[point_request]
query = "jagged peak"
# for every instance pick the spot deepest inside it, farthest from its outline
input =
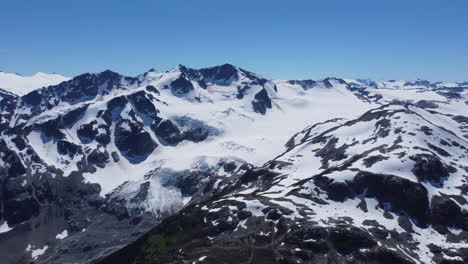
(225, 65)
(220, 74)
(108, 73)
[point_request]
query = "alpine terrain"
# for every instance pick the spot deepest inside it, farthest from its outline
(221, 165)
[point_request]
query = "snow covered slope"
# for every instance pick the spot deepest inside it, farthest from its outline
(21, 85)
(208, 118)
(387, 187)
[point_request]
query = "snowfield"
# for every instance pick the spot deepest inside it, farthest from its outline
(21, 85)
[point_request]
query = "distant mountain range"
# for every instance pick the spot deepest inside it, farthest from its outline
(220, 165)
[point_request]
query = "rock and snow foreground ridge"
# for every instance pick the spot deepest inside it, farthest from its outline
(226, 165)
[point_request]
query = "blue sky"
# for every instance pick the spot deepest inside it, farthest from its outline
(294, 39)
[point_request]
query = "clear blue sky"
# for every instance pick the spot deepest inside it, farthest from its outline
(287, 39)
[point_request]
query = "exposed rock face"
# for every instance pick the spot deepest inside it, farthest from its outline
(306, 84)
(221, 75)
(446, 213)
(173, 132)
(181, 86)
(430, 168)
(426, 104)
(461, 119)
(98, 158)
(401, 195)
(67, 148)
(168, 131)
(133, 141)
(261, 102)
(88, 132)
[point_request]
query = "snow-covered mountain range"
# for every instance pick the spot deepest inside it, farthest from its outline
(236, 166)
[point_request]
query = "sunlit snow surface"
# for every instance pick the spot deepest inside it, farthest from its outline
(36, 252)
(21, 85)
(4, 227)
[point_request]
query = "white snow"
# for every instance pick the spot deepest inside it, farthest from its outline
(62, 235)
(236, 133)
(21, 85)
(36, 252)
(160, 200)
(4, 227)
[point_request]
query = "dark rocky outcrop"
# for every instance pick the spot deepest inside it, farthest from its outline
(446, 213)
(67, 148)
(133, 141)
(430, 168)
(404, 196)
(181, 86)
(348, 239)
(98, 157)
(143, 105)
(261, 102)
(461, 119)
(220, 75)
(169, 132)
